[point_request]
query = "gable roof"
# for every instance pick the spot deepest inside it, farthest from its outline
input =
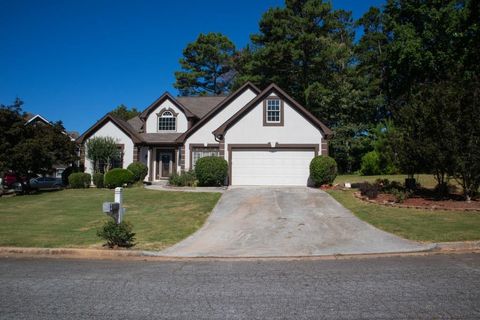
(30, 118)
(226, 101)
(200, 105)
(273, 88)
(121, 124)
(160, 100)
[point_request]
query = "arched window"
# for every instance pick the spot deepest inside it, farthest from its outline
(167, 121)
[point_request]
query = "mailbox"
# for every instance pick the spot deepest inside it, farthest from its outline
(111, 207)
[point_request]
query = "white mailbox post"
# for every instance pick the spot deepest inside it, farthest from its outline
(115, 209)
(119, 199)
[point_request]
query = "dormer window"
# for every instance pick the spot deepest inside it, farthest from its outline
(167, 121)
(273, 112)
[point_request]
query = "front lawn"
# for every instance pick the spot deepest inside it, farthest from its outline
(70, 218)
(414, 224)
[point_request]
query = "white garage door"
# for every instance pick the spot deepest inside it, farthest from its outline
(267, 167)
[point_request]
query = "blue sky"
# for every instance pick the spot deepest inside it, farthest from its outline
(76, 60)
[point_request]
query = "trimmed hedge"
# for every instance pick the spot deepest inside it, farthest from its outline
(323, 170)
(211, 171)
(79, 180)
(139, 170)
(98, 180)
(118, 178)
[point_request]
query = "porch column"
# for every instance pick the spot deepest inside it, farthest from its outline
(150, 163)
(136, 153)
(182, 158)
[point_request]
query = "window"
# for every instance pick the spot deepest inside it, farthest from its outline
(167, 121)
(200, 152)
(273, 112)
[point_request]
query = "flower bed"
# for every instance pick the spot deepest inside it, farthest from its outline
(417, 202)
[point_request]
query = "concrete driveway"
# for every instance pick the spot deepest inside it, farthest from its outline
(285, 221)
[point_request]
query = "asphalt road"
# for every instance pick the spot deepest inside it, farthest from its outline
(428, 287)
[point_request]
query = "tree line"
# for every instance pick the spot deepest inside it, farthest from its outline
(402, 96)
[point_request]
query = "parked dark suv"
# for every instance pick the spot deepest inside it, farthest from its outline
(42, 183)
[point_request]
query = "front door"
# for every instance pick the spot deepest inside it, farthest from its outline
(165, 164)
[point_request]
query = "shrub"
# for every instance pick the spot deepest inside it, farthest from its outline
(98, 180)
(67, 172)
(371, 164)
(400, 195)
(211, 171)
(120, 235)
(323, 170)
(386, 185)
(369, 190)
(184, 179)
(79, 180)
(139, 170)
(118, 178)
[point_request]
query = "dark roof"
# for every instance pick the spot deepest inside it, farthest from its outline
(121, 124)
(200, 106)
(167, 137)
(136, 123)
(160, 100)
(218, 108)
(273, 88)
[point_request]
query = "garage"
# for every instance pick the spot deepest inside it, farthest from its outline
(273, 166)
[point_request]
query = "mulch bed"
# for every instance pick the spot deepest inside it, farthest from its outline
(424, 202)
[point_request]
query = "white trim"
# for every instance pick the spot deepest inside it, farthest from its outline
(37, 116)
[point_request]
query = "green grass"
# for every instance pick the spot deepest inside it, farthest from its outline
(414, 224)
(70, 218)
(426, 180)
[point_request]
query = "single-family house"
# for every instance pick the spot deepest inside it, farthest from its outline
(266, 136)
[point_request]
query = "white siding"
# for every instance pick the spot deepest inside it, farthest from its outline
(109, 129)
(250, 129)
(152, 120)
(204, 134)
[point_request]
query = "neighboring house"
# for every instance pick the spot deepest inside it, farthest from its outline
(266, 137)
(35, 119)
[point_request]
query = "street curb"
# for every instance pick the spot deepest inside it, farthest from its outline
(458, 246)
(78, 253)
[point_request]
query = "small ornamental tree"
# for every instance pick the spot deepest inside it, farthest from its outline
(102, 151)
(323, 170)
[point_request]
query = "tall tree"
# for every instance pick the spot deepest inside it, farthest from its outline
(431, 84)
(12, 127)
(307, 48)
(207, 66)
(125, 113)
(32, 149)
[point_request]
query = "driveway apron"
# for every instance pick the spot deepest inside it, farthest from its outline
(285, 221)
